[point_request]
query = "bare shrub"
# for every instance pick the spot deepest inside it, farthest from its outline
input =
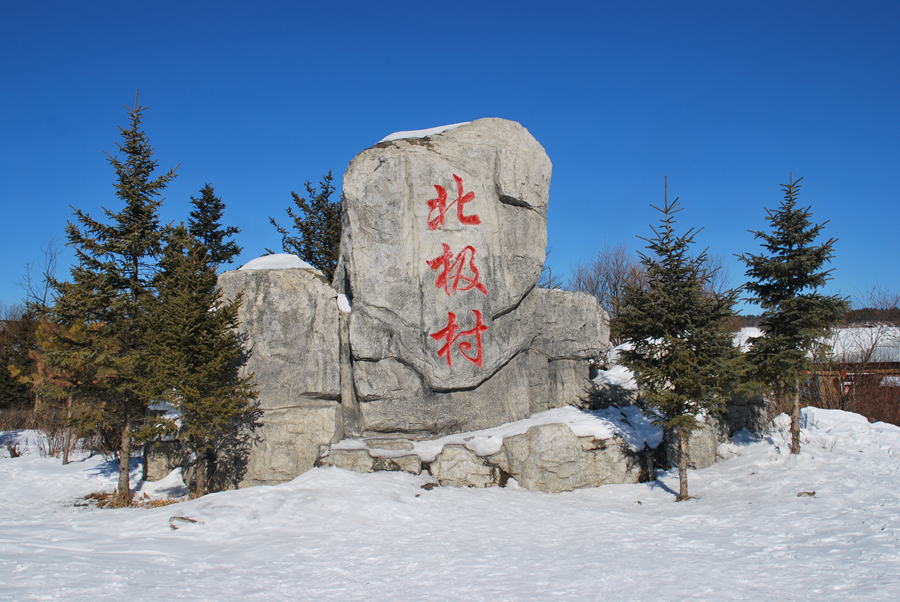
(614, 268)
(606, 277)
(15, 419)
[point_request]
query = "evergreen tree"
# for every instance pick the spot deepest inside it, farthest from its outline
(17, 328)
(318, 225)
(195, 349)
(106, 298)
(784, 281)
(54, 374)
(682, 351)
(205, 227)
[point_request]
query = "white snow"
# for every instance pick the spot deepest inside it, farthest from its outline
(869, 343)
(422, 133)
(616, 376)
(276, 261)
(343, 303)
(743, 336)
(628, 422)
(336, 535)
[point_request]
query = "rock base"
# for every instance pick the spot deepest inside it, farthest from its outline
(548, 458)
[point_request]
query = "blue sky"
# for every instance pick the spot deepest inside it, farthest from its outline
(724, 98)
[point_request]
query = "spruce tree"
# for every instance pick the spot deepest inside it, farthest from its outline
(682, 352)
(105, 301)
(784, 281)
(205, 226)
(318, 225)
(195, 350)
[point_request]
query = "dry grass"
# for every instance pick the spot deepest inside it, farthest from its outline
(110, 499)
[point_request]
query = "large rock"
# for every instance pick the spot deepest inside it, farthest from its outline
(289, 320)
(746, 412)
(547, 458)
(457, 466)
(360, 460)
(394, 399)
(442, 245)
(703, 443)
(287, 442)
(551, 458)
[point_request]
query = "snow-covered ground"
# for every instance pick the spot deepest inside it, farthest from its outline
(335, 535)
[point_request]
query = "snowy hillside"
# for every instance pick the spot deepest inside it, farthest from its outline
(335, 535)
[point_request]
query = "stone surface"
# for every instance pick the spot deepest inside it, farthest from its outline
(547, 458)
(551, 458)
(458, 466)
(289, 319)
(404, 405)
(746, 412)
(359, 460)
(288, 442)
(702, 444)
(391, 258)
(161, 458)
(570, 384)
(389, 444)
(388, 252)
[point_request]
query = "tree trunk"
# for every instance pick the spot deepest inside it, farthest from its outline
(124, 495)
(682, 466)
(200, 474)
(795, 423)
(67, 438)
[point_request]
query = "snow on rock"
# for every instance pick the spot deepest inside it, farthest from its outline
(628, 422)
(617, 376)
(277, 261)
(337, 535)
(344, 303)
(422, 133)
(171, 486)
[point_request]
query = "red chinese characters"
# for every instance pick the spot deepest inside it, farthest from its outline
(450, 336)
(440, 204)
(456, 274)
(453, 275)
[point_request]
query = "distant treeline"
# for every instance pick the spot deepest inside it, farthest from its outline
(864, 315)
(868, 315)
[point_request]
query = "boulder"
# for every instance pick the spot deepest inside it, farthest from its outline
(289, 321)
(442, 245)
(458, 466)
(288, 440)
(360, 460)
(161, 458)
(746, 412)
(703, 443)
(547, 458)
(434, 323)
(551, 458)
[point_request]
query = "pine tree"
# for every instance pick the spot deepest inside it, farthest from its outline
(195, 349)
(682, 351)
(204, 225)
(106, 298)
(783, 282)
(318, 226)
(17, 339)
